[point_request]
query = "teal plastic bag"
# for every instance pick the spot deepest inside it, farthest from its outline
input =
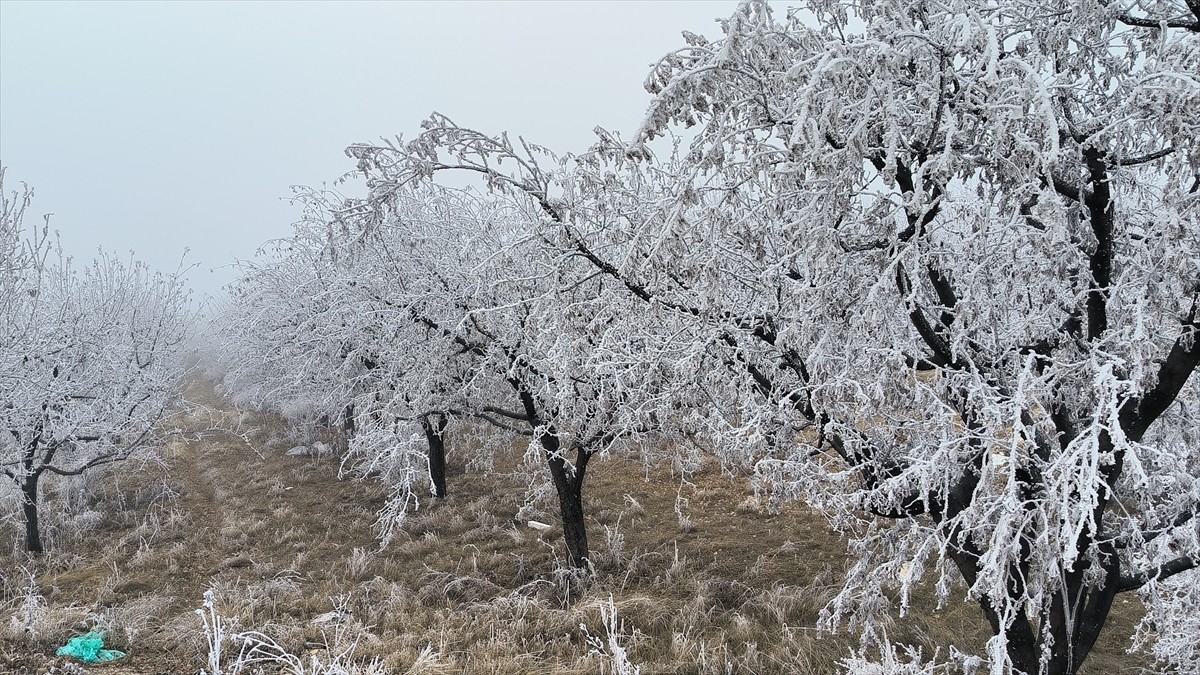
(90, 649)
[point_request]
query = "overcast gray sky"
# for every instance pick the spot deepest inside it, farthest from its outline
(155, 126)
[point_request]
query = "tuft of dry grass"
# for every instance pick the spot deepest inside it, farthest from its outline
(700, 576)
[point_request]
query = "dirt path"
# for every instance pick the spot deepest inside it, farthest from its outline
(217, 514)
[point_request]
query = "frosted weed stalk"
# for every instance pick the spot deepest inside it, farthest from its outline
(610, 648)
(256, 649)
(214, 633)
(30, 618)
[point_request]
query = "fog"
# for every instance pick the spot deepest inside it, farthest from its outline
(161, 128)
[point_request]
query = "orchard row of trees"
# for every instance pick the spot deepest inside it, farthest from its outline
(90, 358)
(933, 268)
(393, 317)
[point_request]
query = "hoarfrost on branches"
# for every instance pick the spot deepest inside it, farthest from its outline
(932, 267)
(90, 358)
(969, 235)
(431, 304)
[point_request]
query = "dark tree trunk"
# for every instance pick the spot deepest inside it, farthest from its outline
(1073, 620)
(1023, 647)
(1072, 623)
(348, 424)
(568, 483)
(435, 429)
(1072, 642)
(1078, 615)
(33, 532)
(570, 506)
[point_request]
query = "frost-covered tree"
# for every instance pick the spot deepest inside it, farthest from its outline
(581, 219)
(960, 244)
(422, 304)
(90, 359)
(409, 260)
(317, 330)
(291, 330)
(524, 333)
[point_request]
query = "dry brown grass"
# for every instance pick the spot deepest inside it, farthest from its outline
(466, 589)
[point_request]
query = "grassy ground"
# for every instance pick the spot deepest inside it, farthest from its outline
(287, 549)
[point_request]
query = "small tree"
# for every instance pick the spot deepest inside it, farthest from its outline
(91, 359)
